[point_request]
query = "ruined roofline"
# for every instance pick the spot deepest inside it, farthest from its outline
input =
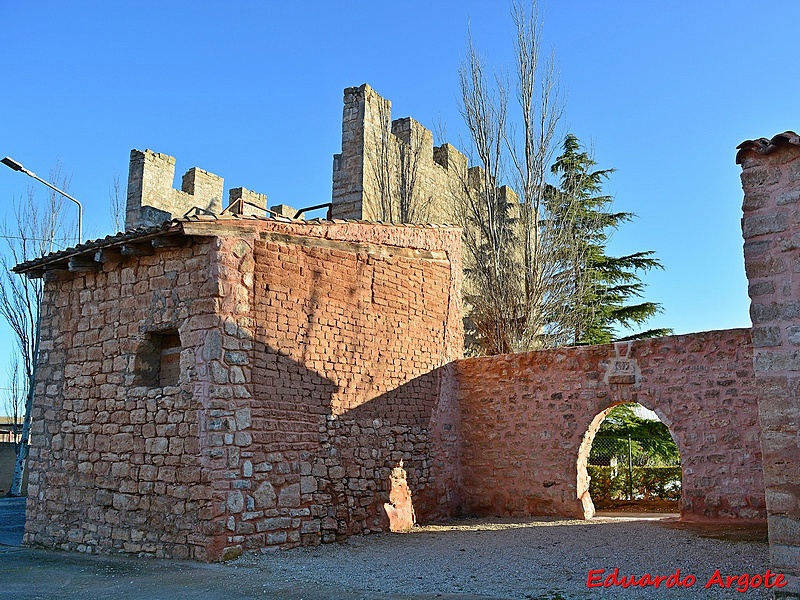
(143, 240)
(765, 146)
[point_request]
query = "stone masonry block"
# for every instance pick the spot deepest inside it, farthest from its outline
(289, 496)
(766, 336)
(764, 224)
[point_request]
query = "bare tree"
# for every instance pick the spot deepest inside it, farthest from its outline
(489, 232)
(35, 231)
(395, 171)
(116, 205)
(14, 399)
(516, 255)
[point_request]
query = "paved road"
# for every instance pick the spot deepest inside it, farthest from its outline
(526, 559)
(28, 574)
(12, 521)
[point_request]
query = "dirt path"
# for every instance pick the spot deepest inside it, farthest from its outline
(546, 559)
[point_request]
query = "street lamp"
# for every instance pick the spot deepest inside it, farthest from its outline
(15, 166)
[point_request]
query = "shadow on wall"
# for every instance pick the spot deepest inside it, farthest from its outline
(339, 354)
(321, 472)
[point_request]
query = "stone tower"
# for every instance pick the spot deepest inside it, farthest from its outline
(390, 170)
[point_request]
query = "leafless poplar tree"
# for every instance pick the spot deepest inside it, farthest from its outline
(35, 231)
(395, 171)
(116, 205)
(14, 398)
(488, 224)
(516, 256)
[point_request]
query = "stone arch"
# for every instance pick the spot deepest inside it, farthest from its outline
(584, 497)
(525, 419)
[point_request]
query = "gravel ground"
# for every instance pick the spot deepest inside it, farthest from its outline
(521, 558)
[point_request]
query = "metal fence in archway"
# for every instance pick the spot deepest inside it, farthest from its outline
(621, 468)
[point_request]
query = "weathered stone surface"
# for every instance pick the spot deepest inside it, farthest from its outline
(775, 307)
(761, 224)
(381, 157)
(308, 485)
(400, 508)
(151, 198)
(766, 336)
(230, 553)
(289, 495)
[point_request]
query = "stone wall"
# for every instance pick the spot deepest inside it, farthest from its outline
(151, 199)
(390, 171)
(115, 461)
(771, 229)
(334, 340)
(528, 421)
(313, 358)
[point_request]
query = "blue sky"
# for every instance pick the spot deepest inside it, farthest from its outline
(252, 91)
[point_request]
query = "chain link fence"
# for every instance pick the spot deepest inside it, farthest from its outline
(609, 451)
(624, 468)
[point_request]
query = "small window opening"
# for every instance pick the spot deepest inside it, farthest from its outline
(170, 368)
(158, 361)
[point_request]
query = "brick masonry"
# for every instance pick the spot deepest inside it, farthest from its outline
(771, 229)
(339, 343)
(313, 360)
(528, 421)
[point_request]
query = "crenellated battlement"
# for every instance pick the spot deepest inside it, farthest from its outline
(389, 170)
(151, 199)
(247, 202)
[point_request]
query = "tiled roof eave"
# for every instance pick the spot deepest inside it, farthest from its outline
(766, 146)
(140, 234)
(195, 225)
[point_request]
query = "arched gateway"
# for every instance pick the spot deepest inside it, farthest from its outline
(585, 450)
(528, 421)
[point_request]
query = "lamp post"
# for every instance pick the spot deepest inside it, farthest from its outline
(15, 166)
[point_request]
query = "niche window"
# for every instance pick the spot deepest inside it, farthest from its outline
(158, 362)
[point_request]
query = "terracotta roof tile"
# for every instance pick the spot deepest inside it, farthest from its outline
(765, 146)
(89, 245)
(173, 227)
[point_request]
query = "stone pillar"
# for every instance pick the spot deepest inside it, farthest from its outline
(150, 176)
(284, 210)
(365, 115)
(771, 230)
(205, 189)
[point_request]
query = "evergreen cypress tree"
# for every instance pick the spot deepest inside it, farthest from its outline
(602, 285)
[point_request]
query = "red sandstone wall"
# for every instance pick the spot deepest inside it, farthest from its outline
(771, 229)
(115, 466)
(524, 418)
(328, 375)
(313, 362)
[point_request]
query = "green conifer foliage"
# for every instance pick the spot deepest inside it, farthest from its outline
(606, 287)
